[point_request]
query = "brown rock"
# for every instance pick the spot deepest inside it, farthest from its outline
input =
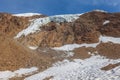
(109, 50)
(110, 66)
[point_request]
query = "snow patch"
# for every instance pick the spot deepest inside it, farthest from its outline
(88, 69)
(26, 14)
(104, 39)
(5, 75)
(70, 47)
(69, 54)
(33, 47)
(97, 10)
(37, 23)
(106, 22)
(24, 71)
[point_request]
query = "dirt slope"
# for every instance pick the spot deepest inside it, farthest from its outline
(14, 56)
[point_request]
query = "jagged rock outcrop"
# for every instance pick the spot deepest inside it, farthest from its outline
(86, 29)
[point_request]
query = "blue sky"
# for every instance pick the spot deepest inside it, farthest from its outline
(54, 7)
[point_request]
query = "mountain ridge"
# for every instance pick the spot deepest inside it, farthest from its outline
(85, 29)
(54, 43)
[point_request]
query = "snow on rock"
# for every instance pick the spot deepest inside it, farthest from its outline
(33, 47)
(104, 39)
(88, 69)
(33, 27)
(37, 23)
(5, 75)
(106, 22)
(70, 47)
(97, 10)
(26, 14)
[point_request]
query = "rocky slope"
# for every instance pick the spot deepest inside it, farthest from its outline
(28, 40)
(85, 29)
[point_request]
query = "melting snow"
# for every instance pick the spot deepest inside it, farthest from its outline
(88, 69)
(106, 22)
(37, 23)
(104, 39)
(5, 75)
(26, 14)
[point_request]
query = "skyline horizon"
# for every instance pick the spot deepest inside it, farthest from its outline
(57, 7)
(62, 14)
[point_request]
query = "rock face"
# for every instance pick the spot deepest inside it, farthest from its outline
(11, 25)
(86, 29)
